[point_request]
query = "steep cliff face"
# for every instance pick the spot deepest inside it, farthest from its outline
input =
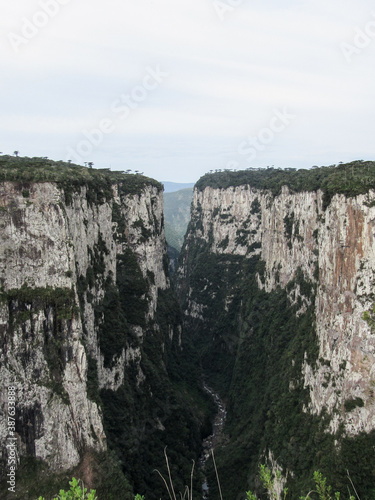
(282, 281)
(88, 320)
(42, 336)
(344, 296)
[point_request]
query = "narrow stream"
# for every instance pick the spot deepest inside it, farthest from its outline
(211, 441)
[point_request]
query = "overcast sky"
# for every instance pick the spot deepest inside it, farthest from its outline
(175, 88)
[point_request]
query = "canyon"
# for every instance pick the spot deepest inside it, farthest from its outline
(273, 302)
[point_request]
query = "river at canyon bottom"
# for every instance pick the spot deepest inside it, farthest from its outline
(211, 441)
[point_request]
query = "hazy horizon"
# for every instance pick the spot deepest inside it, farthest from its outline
(175, 89)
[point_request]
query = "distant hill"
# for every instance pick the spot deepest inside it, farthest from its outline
(171, 187)
(177, 215)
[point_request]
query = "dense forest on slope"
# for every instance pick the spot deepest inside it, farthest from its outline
(141, 418)
(351, 179)
(267, 345)
(177, 216)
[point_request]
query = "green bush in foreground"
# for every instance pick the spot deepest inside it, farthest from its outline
(270, 483)
(75, 492)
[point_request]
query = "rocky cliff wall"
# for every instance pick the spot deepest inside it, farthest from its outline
(322, 258)
(80, 281)
(334, 249)
(38, 252)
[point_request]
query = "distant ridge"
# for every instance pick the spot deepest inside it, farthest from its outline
(171, 187)
(177, 215)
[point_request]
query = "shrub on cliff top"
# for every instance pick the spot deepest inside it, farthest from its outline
(351, 179)
(72, 177)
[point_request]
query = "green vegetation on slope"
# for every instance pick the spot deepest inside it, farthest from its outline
(25, 301)
(34, 478)
(153, 408)
(72, 177)
(351, 179)
(172, 237)
(252, 346)
(212, 278)
(177, 216)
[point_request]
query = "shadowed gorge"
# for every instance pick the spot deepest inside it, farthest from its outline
(273, 308)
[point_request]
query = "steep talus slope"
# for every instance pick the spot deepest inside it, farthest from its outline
(277, 282)
(90, 329)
